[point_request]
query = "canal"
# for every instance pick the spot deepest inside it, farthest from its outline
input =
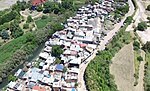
(30, 59)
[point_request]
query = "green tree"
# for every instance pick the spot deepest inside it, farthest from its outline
(148, 19)
(136, 45)
(29, 19)
(57, 26)
(129, 19)
(39, 8)
(142, 26)
(57, 61)
(146, 47)
(148, 7)
(4, 35)
(67, 4)
(139, 58)
(57, 50)
(11, 78)
(26, 26)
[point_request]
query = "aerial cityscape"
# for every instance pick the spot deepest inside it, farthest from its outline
(74, 45)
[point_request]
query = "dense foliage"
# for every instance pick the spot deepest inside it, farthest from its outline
(142, 26)
(146, 47)
(148, 7)
(56, 51)
(8, 17)
(97, 75)
(129, 20)
(136, 45)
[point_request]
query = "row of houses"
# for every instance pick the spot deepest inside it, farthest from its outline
(78, 40)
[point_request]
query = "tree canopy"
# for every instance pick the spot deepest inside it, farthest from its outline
(56, 50)
(148, 7)
(142, 26)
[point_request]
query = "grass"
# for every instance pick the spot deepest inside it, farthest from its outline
(136, 66)
(41, 23)
(147, 73)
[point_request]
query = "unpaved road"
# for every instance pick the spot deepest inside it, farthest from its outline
(122, 68)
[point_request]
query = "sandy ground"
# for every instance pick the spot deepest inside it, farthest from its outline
(123, 68)
(144, 35)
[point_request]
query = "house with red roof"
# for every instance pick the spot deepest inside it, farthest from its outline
(37, 2)
(38, 88)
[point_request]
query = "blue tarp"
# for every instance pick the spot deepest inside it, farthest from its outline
(59, 67)
(73, 89)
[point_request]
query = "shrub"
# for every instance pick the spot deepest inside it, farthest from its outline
(142, 26)
(26, 26)
(139, 58)
(148, 7)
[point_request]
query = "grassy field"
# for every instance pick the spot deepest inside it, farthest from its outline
(122, 68)
(41, 23)
(8, 49)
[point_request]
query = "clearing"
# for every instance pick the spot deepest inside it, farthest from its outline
(122, 68)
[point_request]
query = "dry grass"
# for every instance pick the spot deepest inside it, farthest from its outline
(123, 68)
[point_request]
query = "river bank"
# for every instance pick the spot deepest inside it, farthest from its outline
(30, 59)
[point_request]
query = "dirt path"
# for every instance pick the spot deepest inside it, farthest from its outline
(140, 86)
(123, 68)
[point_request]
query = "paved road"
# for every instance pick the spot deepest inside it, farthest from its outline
(102, 47)
(139, 15)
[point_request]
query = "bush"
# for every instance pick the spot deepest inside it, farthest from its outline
(139, 58)
(56, 50)
(26, 26)
(44, 17)
(136, 45)
(29, 19)
(129, 19)
(39, 8)
(142, 26)
(148, 7)
(146, 47)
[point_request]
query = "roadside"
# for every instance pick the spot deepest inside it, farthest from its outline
(139, 86)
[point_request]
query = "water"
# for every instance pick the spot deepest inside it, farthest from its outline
(31, 58)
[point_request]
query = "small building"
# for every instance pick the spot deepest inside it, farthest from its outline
(38, 88)
(19, 73)
(15, 86)
(37, 2)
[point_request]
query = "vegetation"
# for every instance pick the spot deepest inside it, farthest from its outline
(12, 78)
(139, 58)
(26, 26)
(4, 34)
(29, 19)
(8, 17)
(146, 47)
(147, 73)
(136, 45)
(129, 20)
(148, 7)
(142, 26)
(99, 77)
(57, 50)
